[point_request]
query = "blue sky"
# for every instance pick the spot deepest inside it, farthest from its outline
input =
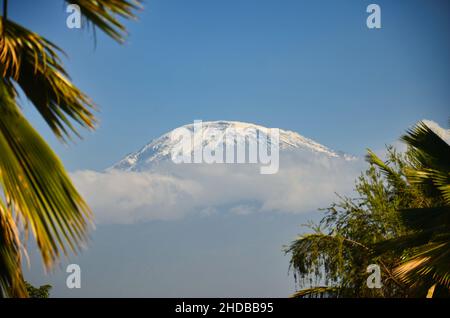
(308, 66)
(311, 66)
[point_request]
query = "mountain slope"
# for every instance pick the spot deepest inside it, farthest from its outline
(160, 149)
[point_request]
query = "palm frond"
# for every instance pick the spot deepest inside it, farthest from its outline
(104, 14)
(427, 248)
(428, 263)
(33, 63)
(39, 195)
(433, 155)
(11, 279)
(37, 186)
(430, 149)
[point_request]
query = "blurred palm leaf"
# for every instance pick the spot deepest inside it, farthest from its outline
(11, 280)
(32, 62)
(34, 180)
(103, 14)
(38, 196)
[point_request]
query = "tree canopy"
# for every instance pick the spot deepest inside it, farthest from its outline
(399, 220)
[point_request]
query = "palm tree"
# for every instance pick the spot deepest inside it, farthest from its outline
(38, 197)
(332, 260)
(401, 222)
(425, 249)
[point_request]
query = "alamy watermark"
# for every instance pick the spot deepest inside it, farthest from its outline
(374, 19)
(374, 279)
(73, 20)
(73, 280)
(214, 145)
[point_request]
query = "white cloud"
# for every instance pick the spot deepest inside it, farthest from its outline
(129, 197)
(303, 184)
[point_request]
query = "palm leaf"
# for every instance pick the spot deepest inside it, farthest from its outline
(426, 248)
(430, 149)
(428, 263)
(40, 192)
(104, 14)
(11, 280)
(32, 62)
(40, 197)
(433, 155)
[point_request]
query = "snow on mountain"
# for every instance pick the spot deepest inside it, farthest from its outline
(160, 149)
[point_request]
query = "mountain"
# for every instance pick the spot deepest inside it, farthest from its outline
(160, 149)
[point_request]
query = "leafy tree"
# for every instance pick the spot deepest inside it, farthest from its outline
(38, 197)
(40, 292)
(399, 221)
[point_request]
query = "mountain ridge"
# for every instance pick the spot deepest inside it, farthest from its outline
(159, 149)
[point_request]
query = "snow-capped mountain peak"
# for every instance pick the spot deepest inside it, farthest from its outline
(213, 133)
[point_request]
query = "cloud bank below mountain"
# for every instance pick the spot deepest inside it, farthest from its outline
(302, 185)
(305, 182)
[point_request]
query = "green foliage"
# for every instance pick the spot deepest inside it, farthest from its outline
(399, 220)
(39, 192)
(425, 250)
(40, 292)
(36, 195)
(104, 14)
(338, 251)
